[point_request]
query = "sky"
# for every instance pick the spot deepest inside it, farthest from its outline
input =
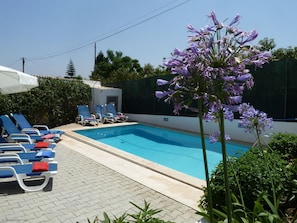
(50, 33)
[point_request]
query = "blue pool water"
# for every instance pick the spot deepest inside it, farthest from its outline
(176, 150)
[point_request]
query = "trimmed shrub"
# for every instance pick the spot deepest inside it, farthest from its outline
(285, 143)
(250, 171)
(53, 103)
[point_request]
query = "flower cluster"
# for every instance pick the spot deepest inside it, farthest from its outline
(213, 68)
(253, 120)
(214, 137)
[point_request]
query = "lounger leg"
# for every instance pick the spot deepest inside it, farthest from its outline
(20, 178)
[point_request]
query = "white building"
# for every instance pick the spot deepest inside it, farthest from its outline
(103, 95)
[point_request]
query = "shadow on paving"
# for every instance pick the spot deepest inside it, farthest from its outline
(12, 187)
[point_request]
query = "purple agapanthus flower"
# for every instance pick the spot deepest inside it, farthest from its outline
(161, 94)
(253, 120)
(162, 82)
(215, 137)
(214, 66)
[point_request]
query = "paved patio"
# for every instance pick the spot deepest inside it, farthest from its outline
(85, 188)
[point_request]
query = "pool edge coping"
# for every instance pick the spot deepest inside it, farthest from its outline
(176, 185)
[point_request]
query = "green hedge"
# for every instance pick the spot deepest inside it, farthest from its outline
(53, 103)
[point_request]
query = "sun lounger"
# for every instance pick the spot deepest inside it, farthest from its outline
(6, 146)
(102, 115)
(29, 152)
(119, 116)
(24, 124)
(17, 147)
(24, 157)
(32, 172)
(84, 116)
(16, 135)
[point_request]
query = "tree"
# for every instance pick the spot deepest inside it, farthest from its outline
(266, 44)
(148, 70)
(70, 69)
(115, 67)
(283, 53)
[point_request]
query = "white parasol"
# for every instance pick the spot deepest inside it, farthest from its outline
(14, 81)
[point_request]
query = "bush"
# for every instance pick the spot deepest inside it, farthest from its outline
(285, 143)
(250, 172)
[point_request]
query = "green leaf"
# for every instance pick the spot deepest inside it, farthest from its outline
(271, 206)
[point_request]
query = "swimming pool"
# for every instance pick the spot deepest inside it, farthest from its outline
(177, 150)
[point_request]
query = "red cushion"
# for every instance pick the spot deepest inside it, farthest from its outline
(42, 145)
(39, 166)
(48, 136)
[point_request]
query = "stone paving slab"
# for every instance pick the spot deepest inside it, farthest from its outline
(84, 188)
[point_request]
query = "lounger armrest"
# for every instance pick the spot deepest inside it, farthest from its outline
(93, 116)
(5, 144)
(98, 116)
(80, 117)
(41, 127)
(17, 147)
(19, 137)
(110, 115)
(8, 158)
(31, 131)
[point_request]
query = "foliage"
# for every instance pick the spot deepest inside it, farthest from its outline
(148, 71)
(70, 69)
(283, 53)
(266, 44)
(285, 143)
(290, 201)
(242, 214)
(115, 67)
(53, 103)
(144, 215)
(250, 172)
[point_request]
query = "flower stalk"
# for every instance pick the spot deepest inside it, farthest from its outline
(255, 121)
(225, 158)
(209, 197)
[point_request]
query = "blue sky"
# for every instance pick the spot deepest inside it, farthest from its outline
(49, 33)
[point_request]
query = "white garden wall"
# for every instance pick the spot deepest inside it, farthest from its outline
(192, 124)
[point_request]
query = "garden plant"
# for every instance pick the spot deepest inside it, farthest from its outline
(144, 215)
(210, 77)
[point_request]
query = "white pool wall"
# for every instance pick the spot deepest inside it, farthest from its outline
(192, 124)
